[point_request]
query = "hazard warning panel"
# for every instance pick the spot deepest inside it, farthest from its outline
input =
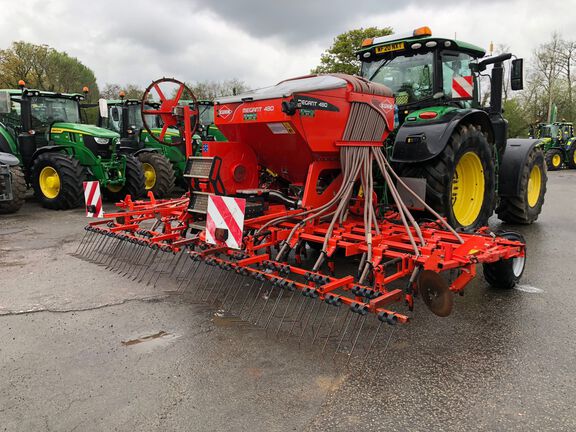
(93, 199)
(225, 221)
(462, 87)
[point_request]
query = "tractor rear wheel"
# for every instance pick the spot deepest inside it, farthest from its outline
(505, 274)
(525, 208)
(554, 159)
(572, 155)
(57, 180)
(18, 192)
(460, 182)
(134, 185)
(158, 174)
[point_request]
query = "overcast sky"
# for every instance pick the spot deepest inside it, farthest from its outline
(258, 41)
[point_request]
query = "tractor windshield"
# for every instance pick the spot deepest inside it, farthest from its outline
(544, 131)
(206, 114)
(409, 77)
(48, 110)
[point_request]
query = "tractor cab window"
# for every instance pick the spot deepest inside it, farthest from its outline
(409, 77)
(206, 114)
(47, 110)
(457, 78)
(12, 120)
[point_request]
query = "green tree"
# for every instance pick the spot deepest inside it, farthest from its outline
(210, 90)
(517, 124)
(112, 91)
(44, 68)
(341, 57)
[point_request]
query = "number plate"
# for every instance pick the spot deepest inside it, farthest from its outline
(392, 47)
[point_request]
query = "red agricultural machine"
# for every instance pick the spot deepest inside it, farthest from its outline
(283, 220)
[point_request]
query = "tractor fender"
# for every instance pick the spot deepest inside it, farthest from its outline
(49, 149)
(420, 142)
(8, 159)
(147, 150)
(513, 160)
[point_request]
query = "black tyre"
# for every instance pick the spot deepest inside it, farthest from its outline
(134, 185)
(572, 155)
(18, 192)
(526, 207)
(460, 182)
(554, 159)
(505, 274)
(57, 180)
(158, 174)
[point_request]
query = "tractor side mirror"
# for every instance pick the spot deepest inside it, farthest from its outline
(5, 102)
(517, 74)
(103, 108)
(115, 114)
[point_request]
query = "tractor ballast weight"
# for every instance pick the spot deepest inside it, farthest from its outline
(322, 136)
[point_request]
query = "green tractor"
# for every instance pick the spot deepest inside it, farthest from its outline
(58, 153)
(12, 184)
(558, 144)
(448, 147)
(162, 155)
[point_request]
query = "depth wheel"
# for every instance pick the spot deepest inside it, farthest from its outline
(460, 182)
(505, 274)
(57, 180)
(158, 174)
(134, 185)
(554, 159)
(526, 207)
(18, 192)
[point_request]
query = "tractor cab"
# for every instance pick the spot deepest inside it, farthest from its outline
(423, 70)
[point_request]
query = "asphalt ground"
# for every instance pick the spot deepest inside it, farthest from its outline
(82, 348)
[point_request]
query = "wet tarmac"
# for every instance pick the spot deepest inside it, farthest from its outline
(82, 348)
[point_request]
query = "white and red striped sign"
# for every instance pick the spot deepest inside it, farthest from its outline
(462, 87)
(225, 221)
(93, 199)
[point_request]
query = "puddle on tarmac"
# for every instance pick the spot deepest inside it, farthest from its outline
(222, 319)
(150, 342)
(529, 289)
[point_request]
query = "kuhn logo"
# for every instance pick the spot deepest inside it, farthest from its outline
(386, 106)
(224, 112)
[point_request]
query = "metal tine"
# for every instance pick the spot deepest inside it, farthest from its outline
(164, 267)
(128, 256)
(117, 262)
(254, 302)
(89, 245)
(298, 314)
(219, 285)
(317, 332)
(240, 288)
(110, 262)
(113, 247)
(276, 303)
(180, 262)
(149, 252)
(268, 297)
(102, 251)
(231, 286)
(315, 305)
(239, 313)
(148, 266)
(136, 264)
(159, 265)
(95, 247)
(139, 250)
(363, 320)
(285, 312)
(199, 284)
(84, 237)
(189, 275)
(343, 335)
(136, 251)
(336, 316)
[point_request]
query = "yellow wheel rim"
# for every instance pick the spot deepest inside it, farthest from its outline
(149, 175)
(114, 188)
(49, 182)
(574, 155)
(534, 185)
(556, 160)
(468, 189)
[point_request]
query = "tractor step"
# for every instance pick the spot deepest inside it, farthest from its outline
(198, 167)
(198, 203)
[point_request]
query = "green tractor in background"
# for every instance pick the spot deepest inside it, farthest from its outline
(58, 153)
(161, 153)
(452, 151)
(558, 144)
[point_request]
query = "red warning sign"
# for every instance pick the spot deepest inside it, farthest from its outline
(225, 221)
(93, 199)
(462, 87)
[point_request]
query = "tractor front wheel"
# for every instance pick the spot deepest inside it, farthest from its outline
(18, 192)
(134, 185)
(554, 159)
(158, 174)
(525, 207)
(505, 274)
(460, 182)
(57, 180)
(572, 155)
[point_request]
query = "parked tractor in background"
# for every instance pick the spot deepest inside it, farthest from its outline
(451, 149)
(58, 153)
(558, 144)
(160, 151)
(12, 184)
